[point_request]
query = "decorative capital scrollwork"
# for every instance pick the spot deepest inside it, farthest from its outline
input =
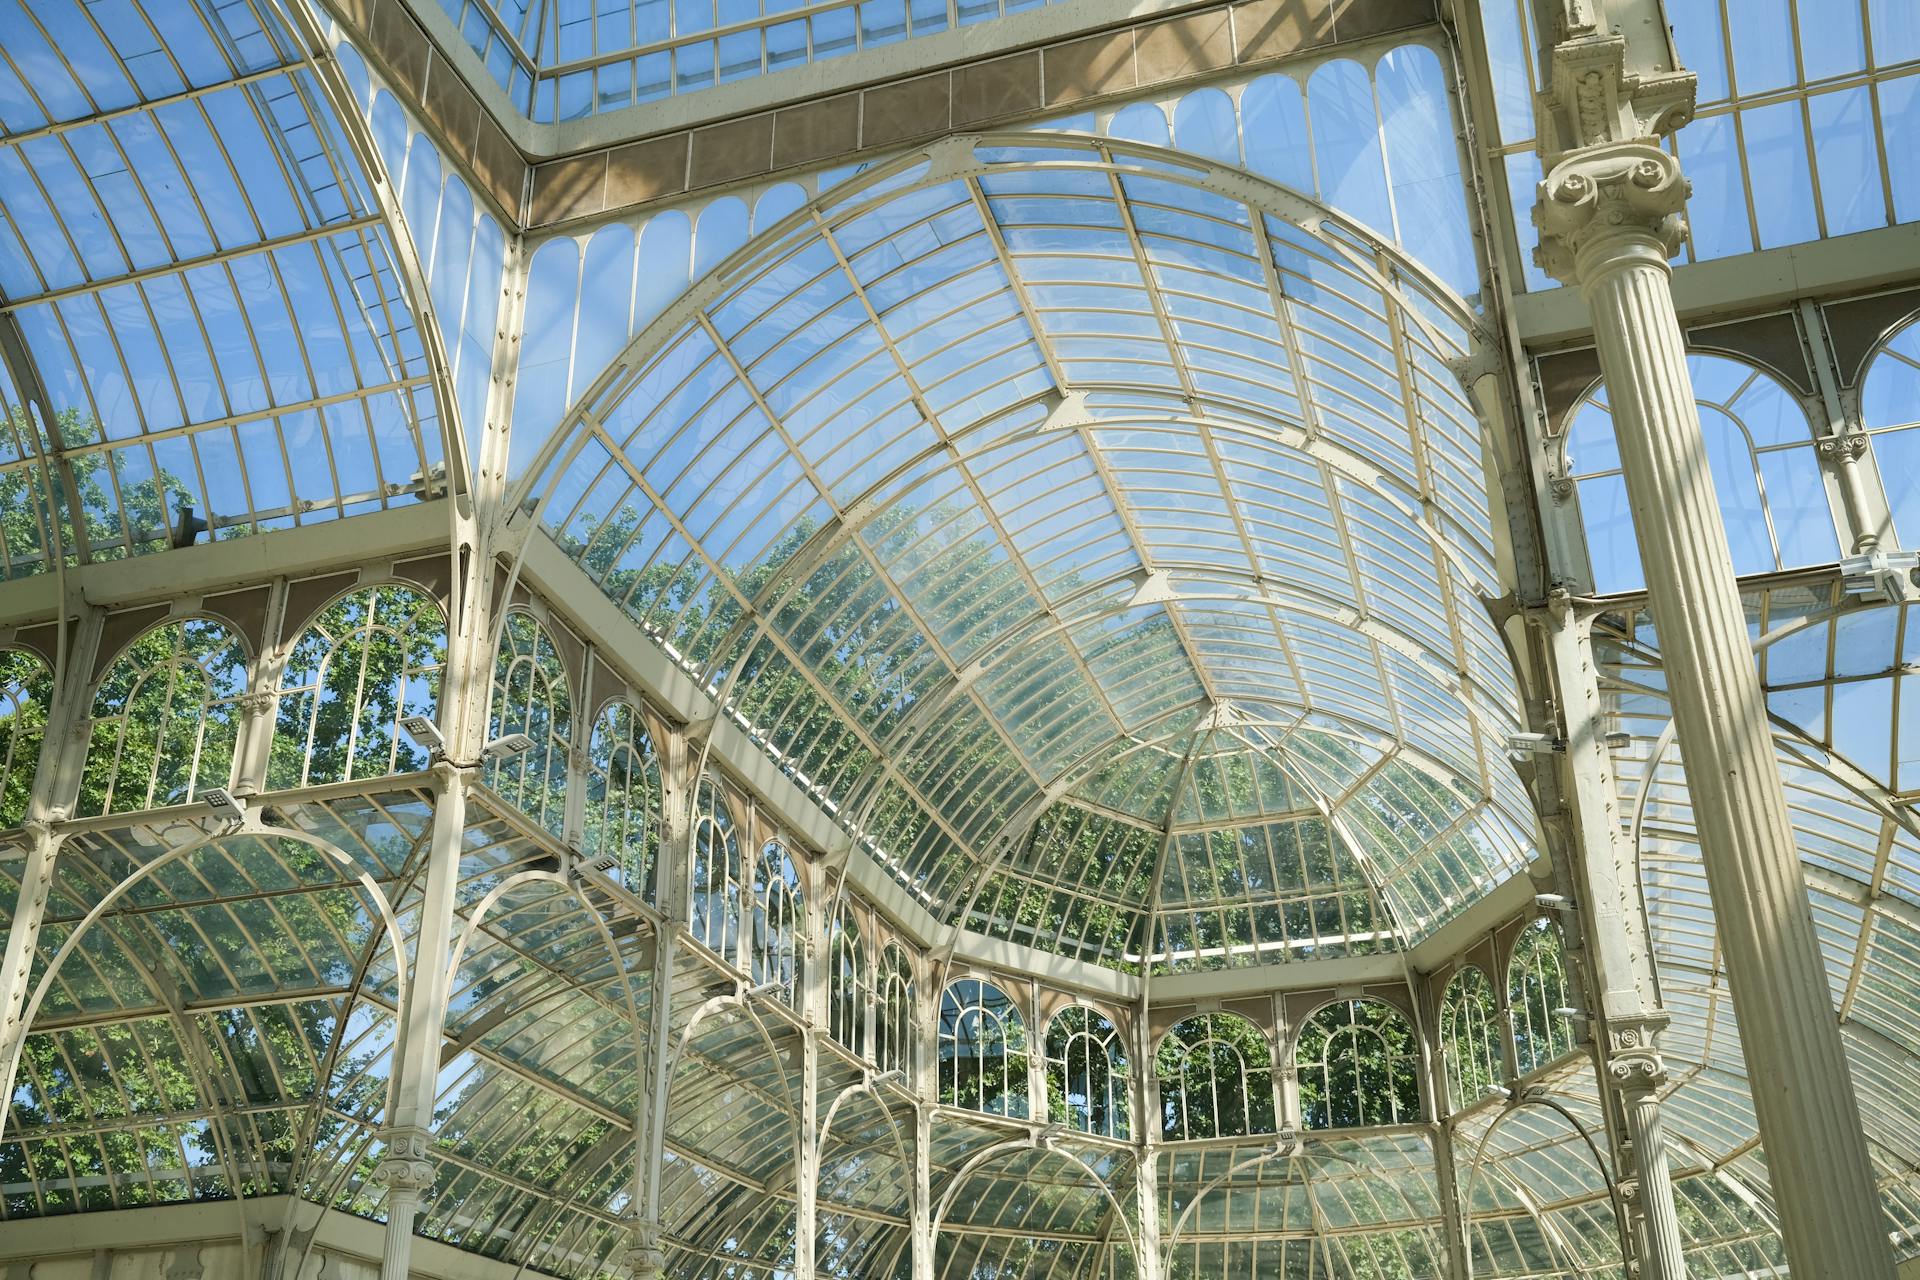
(407, 1165)
(645, 1258)
(1639, 1069)
(1600, 195)
(1850, 445)
(1633, 1055)
(257, 702)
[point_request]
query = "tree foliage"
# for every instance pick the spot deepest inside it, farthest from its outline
(370, 658)
(165, 718)
(26, 694)
(1358, 1063)
(1537, 990)
(1087, 1079)
(1215, 1072)
(982, 1049)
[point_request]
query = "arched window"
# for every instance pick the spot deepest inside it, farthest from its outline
(623, 798)
(1538, 993)
(1470, 1037)
(26, 691)
(164, 719)
(370, 658)
(713, 876)
(1765, 475)
(893, 1028)
(530, 697)
(1087, 1073)
(779, 916)
(1890, 411)
(1359, 1064)
(983, 1049)
(1216, 1078)
(847, 982)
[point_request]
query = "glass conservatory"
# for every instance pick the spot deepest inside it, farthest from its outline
(959, 639)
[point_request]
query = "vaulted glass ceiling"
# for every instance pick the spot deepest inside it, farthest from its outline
(1056, 477)
(199, 289)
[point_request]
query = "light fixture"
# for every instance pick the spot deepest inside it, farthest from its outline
(425, 732)
(1522, 745)
(895, 1076)
(507, 746)
(1552, 902)
(224, 804)
(765, 989)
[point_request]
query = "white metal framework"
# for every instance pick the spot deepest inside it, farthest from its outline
(1061, 703)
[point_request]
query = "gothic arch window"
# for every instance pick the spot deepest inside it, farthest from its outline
(1538, 992)
(893, 1027)
(1890, 412)
(779, 919)
(713, 874)
(1765, 475)
(847, 982)
(1359, 1064)
(26, 692)
(622, 831)
(983, 1049)
(530, 696)
(1087, 1073)
(164, 718)
(1215, 1072)
(370, 658)
(1470, 1037)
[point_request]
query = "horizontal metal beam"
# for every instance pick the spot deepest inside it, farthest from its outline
(754, 94)
(223, 1224)
(1743, 283)
(356, 541)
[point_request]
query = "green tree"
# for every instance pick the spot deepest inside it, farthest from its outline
(164, 719)
(369, 658)
(26, 693)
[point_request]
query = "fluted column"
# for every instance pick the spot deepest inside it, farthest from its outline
(407, 1171)
(1609, 219)
(1639, 1075)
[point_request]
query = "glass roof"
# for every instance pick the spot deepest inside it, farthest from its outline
(1099, 535)
(1042, 472)
(565, 59)
(1833, 671)
(206, 291)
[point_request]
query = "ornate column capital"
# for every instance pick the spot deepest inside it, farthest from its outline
(1633, 1059)
(259, 702)
(645, 1258)
(1849, 445)
(407, 1165)
(1605, 198)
